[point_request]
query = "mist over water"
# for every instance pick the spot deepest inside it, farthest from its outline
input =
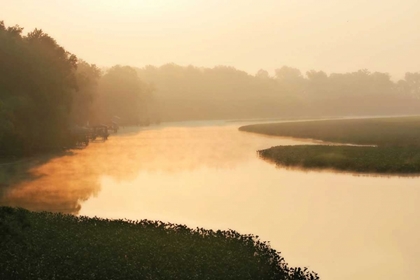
(69, 69)
(209, 175)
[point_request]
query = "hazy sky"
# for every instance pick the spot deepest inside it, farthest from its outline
(334, 35)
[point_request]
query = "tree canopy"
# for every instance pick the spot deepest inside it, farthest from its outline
(45, 90)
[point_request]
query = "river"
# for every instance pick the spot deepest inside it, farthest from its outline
(208, 174)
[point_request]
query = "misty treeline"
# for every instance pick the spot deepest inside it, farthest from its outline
(191, 93)
(45, 91)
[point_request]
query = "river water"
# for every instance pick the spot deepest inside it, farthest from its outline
(341, 225)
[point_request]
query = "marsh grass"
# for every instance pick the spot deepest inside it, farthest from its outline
(397, 160)
(58, 246)
(397, 142)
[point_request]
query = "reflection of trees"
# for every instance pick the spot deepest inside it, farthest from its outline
(62, 183)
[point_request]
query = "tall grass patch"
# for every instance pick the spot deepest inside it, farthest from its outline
(395, 144)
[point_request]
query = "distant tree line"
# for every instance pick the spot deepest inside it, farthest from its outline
(190, 93)
(45, 91)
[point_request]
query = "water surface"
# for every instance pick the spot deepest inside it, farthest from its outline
(209, 175)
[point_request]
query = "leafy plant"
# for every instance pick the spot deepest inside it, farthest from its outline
(58, 246)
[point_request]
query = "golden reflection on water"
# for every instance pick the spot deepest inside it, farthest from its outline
(340, 225)
(63, 182)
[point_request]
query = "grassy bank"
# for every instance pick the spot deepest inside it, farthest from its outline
(57, 246)
(397, 141)
(347, 158)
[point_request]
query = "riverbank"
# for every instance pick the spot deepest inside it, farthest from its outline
(397, 142)
(57, 246)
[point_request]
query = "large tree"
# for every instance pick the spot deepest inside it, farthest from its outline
(36, 85)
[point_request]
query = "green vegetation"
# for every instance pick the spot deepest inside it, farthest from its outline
(347, 158)
(57, 246)
(398, 131)
(397, 141)
(45, 92)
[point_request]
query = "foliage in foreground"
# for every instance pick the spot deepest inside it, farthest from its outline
(57, 246)
(347, 158)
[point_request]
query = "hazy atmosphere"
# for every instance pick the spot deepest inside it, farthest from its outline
(333, 36)
(210, 139)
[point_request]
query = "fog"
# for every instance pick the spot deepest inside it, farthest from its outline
(178, 78)
(340, 225)
(192, 93)
(146, 62)
(333, 36)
